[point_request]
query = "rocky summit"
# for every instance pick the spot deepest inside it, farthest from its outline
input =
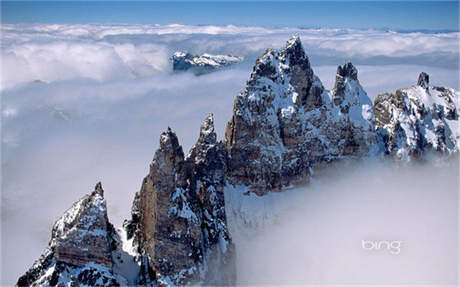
(80, 249)
(285, 124)
(178, 217)
(418, 119)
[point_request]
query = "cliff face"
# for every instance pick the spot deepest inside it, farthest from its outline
(178, 217)
(80, 249)
(418, 119)
(284, 122)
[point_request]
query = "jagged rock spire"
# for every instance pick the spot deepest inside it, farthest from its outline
(170, 150)
(284, 121)
(347, 70)
(413, 120)
(98, 189)
(80, 247)
(295, 53)
(207, 133)
(168, 223)
(86, 219)
(169, 141)
(294, 41)
(345, 73)
(423, 80)
(281, 88)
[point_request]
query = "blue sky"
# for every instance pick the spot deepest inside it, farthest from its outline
(400, 15)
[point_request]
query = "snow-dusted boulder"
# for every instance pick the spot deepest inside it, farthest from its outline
(418, 119)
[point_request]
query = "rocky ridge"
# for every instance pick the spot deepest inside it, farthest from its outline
(418, 119)
(285, 122)
(178, 218)
(284, 125)
(80, 249)
(202, 64)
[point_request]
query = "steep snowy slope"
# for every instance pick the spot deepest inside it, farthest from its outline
(418, 119)
(80, 249)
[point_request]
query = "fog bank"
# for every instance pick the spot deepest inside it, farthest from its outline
(314, 234)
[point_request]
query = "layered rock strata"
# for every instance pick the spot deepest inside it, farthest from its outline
(178, 217)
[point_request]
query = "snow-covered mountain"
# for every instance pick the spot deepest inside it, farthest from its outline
(80, 249)
(418, 119)
(285, 125)
(202, 64)
(177, 234)
(285, 122)
(178, 219)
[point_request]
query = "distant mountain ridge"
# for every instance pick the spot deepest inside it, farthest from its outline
(285, 124)
(202, 64)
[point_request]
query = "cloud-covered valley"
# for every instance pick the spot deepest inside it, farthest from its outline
(84, 103)
(102, 52)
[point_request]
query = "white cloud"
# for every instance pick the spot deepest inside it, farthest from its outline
(380, 43)
(103, 52)
(313, 235)
(59, 60)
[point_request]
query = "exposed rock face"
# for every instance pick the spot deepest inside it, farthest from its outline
(423, 80)
(80, 248)
(284, 122)
(178, 227)
(203, 64)
(178, 217)
(352, 114)
(209, 159)
(418, 119)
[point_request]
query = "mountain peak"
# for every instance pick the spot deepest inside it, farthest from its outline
(80, 247)
(347, 70)
(168, 140)
(98, 189)
(418, 119)
(207, 133)
(283, 112)
(295, 53)
(423, 80)
(202, 64)
(293, 41)
(345, 73)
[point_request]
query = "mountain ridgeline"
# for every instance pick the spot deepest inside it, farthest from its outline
(285, 124)
(202, 64)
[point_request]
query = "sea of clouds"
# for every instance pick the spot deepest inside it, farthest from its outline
(87, 103)
(406, 216)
